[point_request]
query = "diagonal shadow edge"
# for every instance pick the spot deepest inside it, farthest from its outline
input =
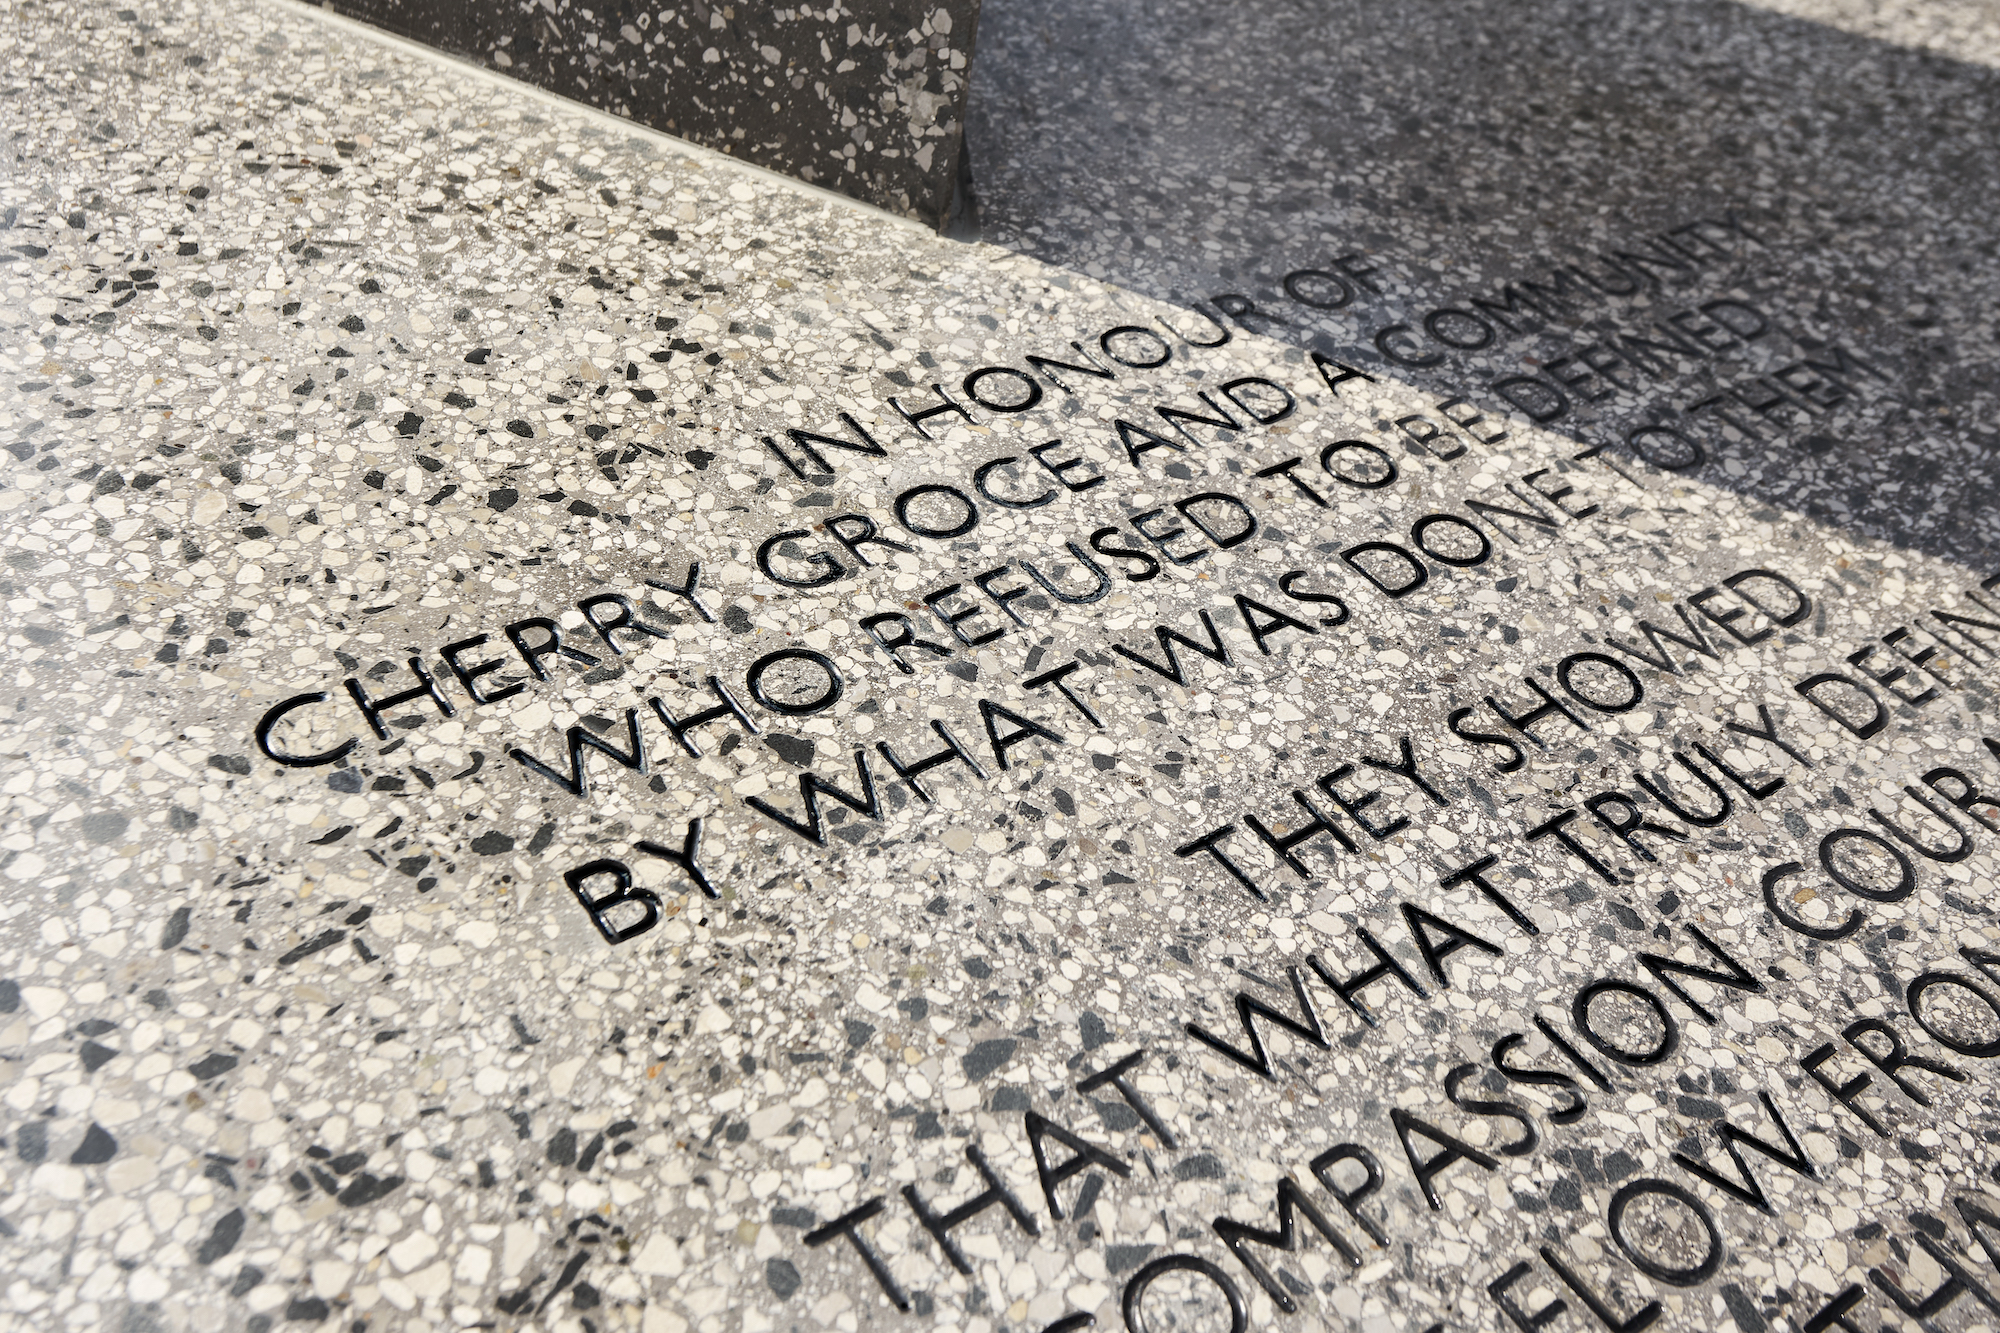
(1032, 189)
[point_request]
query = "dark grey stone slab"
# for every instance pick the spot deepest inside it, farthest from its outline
(867, 99)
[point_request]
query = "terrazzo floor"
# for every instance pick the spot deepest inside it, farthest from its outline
(446, 531)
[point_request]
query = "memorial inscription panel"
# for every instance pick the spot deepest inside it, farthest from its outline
(596, 743)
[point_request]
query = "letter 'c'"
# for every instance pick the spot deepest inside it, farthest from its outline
(979, 481)
(270, 720)
(1401, 353)
(1778, 874)
(1135, 1291)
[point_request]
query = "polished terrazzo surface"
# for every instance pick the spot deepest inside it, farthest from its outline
(319, 357)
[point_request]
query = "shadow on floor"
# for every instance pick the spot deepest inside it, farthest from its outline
(1187, 150)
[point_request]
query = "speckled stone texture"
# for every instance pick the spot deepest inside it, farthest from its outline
(594, 741)
(1466, 146)
(865, 98)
